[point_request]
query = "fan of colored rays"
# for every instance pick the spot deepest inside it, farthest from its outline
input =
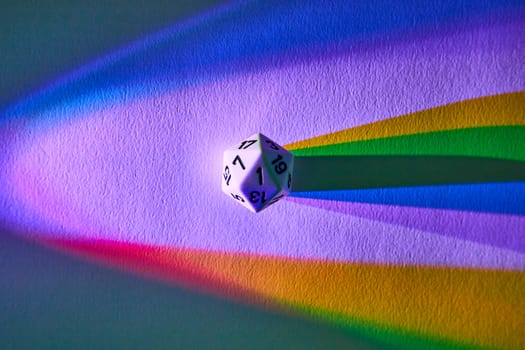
(480, 141)
(456, 170)
(404, 306)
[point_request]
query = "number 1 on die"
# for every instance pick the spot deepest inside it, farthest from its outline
(260, 175)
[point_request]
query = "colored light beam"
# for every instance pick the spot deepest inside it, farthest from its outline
(126, 158)
(212, 47)
(108, 171)
(415, 307)
(497, 110)
(503, 142)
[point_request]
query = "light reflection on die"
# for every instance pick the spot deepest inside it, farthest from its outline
(257, 172)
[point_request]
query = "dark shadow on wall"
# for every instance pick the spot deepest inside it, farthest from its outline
(439, 194)
(328, 173)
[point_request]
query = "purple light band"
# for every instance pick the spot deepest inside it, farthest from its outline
(498, 230)
(147, 171)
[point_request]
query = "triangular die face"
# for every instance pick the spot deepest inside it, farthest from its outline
(275, 198)
(268, 145)
(237, 167)
(258, 187)
(258, 176)
(258, 198)
(242, 161)
(249, 144)
(279, 166)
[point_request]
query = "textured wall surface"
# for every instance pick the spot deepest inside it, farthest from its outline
(406, 226)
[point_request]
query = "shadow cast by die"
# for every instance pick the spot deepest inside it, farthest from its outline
(326, 173)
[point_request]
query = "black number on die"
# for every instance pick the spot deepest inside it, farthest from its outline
(259, 172)
(247, 143)
(272, 145)
(280, 167)
(227, 175)
(236, 196)
(289, 180)
(237, 158)
(255, 196)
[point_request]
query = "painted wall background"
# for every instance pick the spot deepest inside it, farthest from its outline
(405, 228)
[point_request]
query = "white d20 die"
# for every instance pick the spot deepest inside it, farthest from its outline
(257, 172)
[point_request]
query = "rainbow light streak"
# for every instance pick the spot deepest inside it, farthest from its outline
(195, 53)
(394, 305)
(120, 163)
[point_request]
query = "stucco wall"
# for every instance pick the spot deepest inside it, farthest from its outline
(406, 224)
